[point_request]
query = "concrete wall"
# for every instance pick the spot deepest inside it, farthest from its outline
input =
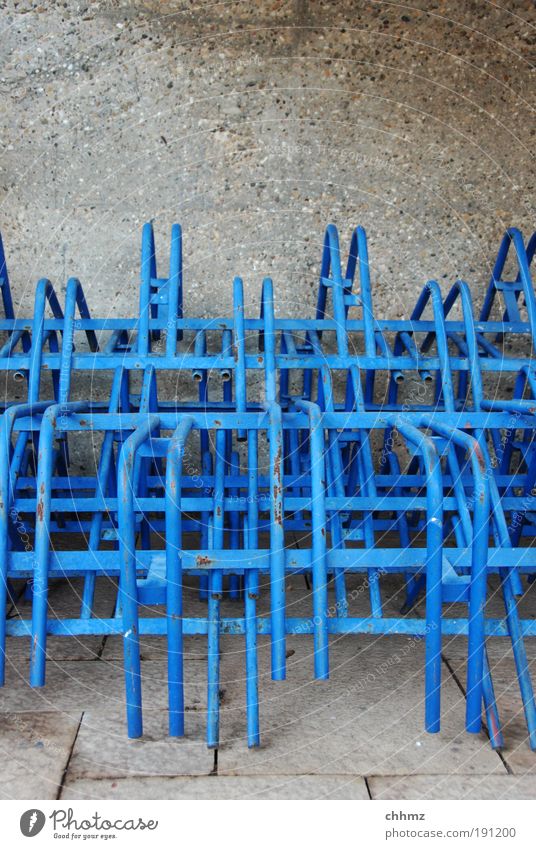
(254, 125)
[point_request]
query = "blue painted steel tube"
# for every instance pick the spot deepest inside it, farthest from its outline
(175, 291)
(362, 470)
(106, 483)
(481, 495)
(44, 292)
(42, 536)
(128, 586)
(492, 713)
(359, 252)
(174, 613)
(332, 269)
(239, 342)
(513, 238)
(509, 577)
(226, 373)
(434, 568)
(206, 471)
(200, 350)
(251, 592)
(5, 285)
(74, 297)
(478, 586)
(267, 339)
(215, 589)
(277, 543)
(8, 478)
(318, 510)
(518, 647)
(235, 519)
(334, 465)
(147, 273)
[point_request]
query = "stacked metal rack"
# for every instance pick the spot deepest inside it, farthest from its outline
(434, 487)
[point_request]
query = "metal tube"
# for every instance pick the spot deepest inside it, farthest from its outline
(174, 613)
(318, 510)
(127, 586)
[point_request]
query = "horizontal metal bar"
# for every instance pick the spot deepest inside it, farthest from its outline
(71, 563)
(293, 625)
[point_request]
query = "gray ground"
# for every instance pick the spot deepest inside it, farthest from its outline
(254, 125)
(359, 735)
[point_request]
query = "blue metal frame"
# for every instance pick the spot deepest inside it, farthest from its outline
(456, 470)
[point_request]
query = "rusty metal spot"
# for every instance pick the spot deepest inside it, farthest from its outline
(203, 561)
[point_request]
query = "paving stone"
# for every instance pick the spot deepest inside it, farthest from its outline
(517, 752)
(221, 787)
(97, 686)
(367, 719)
(454, 787)
(103, 750)
(155, 648)
(499, 648)
(58, 649)
(195, 646)
(34, 751)
(64, 600)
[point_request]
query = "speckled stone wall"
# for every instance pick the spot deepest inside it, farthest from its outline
(254, 125)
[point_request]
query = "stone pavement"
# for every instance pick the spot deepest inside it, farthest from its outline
(359, 735)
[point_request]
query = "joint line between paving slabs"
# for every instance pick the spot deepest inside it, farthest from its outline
(462, 688)
(101, 648)
(69, 756)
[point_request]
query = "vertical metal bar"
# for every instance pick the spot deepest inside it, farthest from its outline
(331, 269)
(268, 336)
(234, 521)
(174, 291)
(206, 471)
(7, 496)
(277, 543)
(215, 588)
(175, 456)
(319, 565)
(128, 589)
(492, 713)
(479, 559)
(251, 592)
(42, 537)
(105, 474)
(239, 340)
(334, 464)
(147, 272)
(43, 292)
(359, 254)
(434, 567)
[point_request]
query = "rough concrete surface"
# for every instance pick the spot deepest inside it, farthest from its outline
(254, 124)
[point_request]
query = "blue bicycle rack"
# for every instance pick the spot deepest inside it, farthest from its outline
(210, 481)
